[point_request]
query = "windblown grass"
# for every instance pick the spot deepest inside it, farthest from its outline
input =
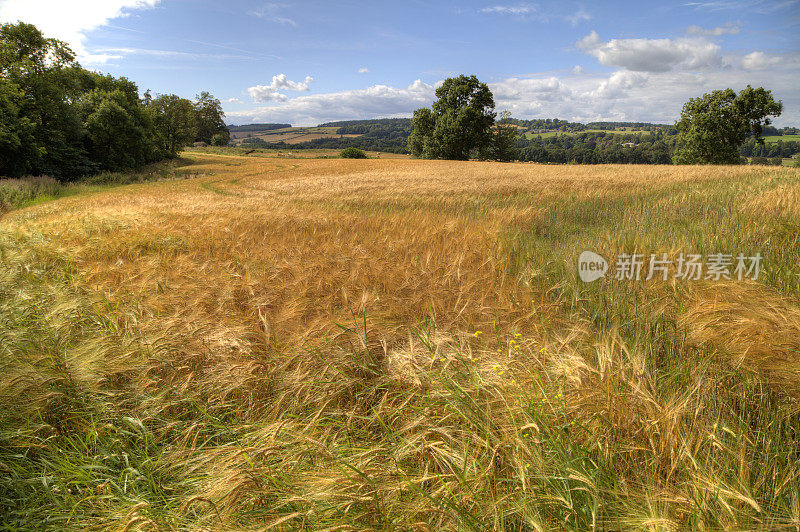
(400, 345)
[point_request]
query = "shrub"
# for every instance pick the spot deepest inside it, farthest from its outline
(352, 153)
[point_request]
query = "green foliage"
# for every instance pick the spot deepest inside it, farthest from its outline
(712, 127)
(352, 153)
(175, 123)
(211, 128)
(505, 138)
(59, 119)
(459, 124)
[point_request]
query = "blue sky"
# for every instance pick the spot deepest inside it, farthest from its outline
(307, 62)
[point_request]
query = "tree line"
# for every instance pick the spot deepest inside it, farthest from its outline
(59, 119)
(712, 129)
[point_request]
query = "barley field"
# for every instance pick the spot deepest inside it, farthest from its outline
(400, 344)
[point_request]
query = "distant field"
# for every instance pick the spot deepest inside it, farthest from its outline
(263, 343)
(291, 135)
(784, 138)
(554, 133)
(288, 153)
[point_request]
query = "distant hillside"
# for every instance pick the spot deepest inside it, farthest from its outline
(383, 135)
(257, 127)
(549, 140)
(389, 122)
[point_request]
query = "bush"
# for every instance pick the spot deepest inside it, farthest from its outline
(220, 139)
(352, 153)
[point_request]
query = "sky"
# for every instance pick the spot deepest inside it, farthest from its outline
(309, 62)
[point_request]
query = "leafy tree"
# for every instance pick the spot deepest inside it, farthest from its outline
(506, 135)
(210, 123)
(45, 72)
(175, 123)
(17, 141)
(712, 127)
(459, 124)
(59, 119)
(118, 130)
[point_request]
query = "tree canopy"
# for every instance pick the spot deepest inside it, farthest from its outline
(459, 125)
(59, 119)
(714, 126)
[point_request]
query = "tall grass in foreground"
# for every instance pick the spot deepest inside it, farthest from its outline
(473, 384)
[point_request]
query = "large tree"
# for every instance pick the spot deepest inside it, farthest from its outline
(712, 127)
(459, 125)
(211, 127)
(118, 130)
(175, 121)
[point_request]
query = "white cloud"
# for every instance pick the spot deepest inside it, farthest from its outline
(579, 16)
(759, 61)
(374, 101)
(653, 55)
(271, 13)
(363, 70)
(619, 84)
(577, 70)
(266, 93)
(527, 11)
(232, 100)
(71, 21)
(542, 90)
(728, 29)
(167, 54)
(763, 7)
(518, 9)
(623, 95)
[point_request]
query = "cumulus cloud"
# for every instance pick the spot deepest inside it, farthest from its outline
(549, 89)
(71, 21)
(652, 55)
(267, 93)
(374, 101)
(622, 95)
(577, 70)
(728, 29)
(619, 84)
(232, 100)
(363, 70)
(759, 61)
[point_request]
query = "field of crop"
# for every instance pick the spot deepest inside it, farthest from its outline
(244, 151)
(400, 345)
(290, 135)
